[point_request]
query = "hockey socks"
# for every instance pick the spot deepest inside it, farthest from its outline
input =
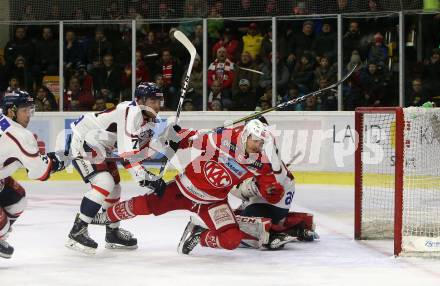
(228, 239)
(128, 209)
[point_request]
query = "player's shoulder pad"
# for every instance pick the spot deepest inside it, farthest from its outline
(24, 139)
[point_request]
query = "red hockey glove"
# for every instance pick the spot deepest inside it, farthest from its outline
(272, 193)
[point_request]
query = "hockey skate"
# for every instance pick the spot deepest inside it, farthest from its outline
(190, 237)
(119, 238)
(6, 250)
(302, 234)
(79, 238)
(277, 240)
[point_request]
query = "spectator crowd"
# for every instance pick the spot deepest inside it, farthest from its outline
(98, 71)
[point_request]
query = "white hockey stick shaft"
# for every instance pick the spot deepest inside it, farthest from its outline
(192, 51)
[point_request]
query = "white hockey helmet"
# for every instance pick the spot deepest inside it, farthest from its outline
(256, 129)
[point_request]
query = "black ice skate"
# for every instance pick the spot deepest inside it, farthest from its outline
(5, 249)
(79, 238)
(190, 238)
(277, 240)
(304, 234)
(119, 238)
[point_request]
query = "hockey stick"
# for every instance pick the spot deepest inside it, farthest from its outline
(250, 70)
(192, 51)
(290, 102)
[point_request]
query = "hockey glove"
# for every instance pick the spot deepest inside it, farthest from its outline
(157, 186)
(270, 189)
(58, 163)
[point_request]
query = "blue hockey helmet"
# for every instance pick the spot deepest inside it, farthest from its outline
(16, 99)
(148, 90)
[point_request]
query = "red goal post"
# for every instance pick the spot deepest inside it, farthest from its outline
(397, 178)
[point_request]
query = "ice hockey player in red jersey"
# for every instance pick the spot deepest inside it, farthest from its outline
(127, 129)
(228, 157)
(19, 148)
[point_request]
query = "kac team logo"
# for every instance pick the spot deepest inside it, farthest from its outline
(217, 175)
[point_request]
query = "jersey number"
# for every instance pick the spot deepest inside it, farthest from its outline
(289, 198)
(135, 142)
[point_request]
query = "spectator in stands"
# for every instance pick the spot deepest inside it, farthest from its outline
(228, 42)
(326, 42)
(142, 71)
(45, 100)
(163, 11)
(432, 70)
(3, 75)
(23, 72)
(218, 93)
(298, 43)
(199, 8)
(107, 80)
(13, 83)
(263, 105)
(245, 9)
(266, 78)
(74, 54)
(113, 12)
(98, 48)
(149, 48)
(169, 68)
(75, 98)
(303, 73)
(329, 101)
(100, 104)
(354, 60)
(222, 70)
(252, 41)
(271, 8)
(310, 104)
(79, 14)
(197, 38)
(374, 6)
(378, 52)
(196, 82)
(146, 10)
(216, 105)
(325, 70)
(345, 6)
(46, 55)
(244, 98)
(418, 94)
(20, 45)
(85, 79)
(266, 45)
(54, 13)
(246, 69)
(374, 83)
(215, 25)
(29, 13)
(188, 105)
(352, 40)
(292, 93)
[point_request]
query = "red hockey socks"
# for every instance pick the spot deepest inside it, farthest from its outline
(128, 209)
(228, 239)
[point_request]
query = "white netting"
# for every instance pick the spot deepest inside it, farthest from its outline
(421, 190)
(421, 194)
(377, 177)
(166, 9)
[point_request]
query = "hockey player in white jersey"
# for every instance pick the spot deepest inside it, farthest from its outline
(127, 129)
(18, 148)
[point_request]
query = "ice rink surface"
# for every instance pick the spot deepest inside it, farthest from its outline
(40, 257)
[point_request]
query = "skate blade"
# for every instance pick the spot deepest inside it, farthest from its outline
(7, 256)
(188, 229)
(79, 247)
(277, 244)
(119, 246)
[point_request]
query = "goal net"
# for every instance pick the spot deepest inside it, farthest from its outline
(397, 178)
